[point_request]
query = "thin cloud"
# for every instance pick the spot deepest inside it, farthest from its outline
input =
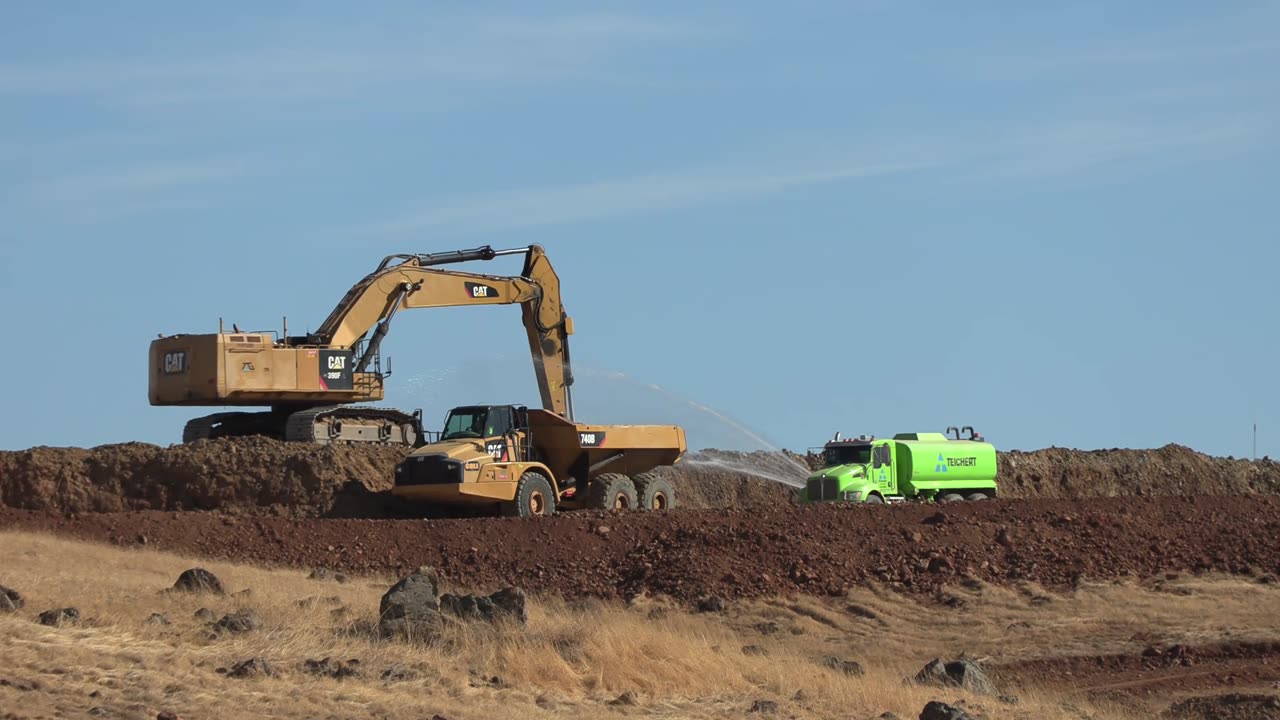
(493, 50)
(1079, 149)
(625, 196)
(113, 192)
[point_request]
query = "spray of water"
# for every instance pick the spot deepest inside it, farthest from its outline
(776, 466)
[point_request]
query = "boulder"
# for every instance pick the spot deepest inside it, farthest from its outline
(238, 622)
(505, 604)
(253, 667)
(957, 673)
(59, 616)
(10, 600)
(941, 711)
(411, 608)
(199, 580)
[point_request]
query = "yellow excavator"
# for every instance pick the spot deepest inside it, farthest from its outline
(312, 382)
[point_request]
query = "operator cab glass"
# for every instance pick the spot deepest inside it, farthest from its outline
(478, 422)
(847, 455)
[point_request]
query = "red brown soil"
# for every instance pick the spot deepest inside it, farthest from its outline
(1156, 672)
(741, 553)
(262, 476)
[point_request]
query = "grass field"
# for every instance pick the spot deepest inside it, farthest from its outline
(570, 661)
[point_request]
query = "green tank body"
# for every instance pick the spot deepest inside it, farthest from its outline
(934, 462)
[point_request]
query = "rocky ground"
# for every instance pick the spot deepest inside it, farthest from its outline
(752, 552)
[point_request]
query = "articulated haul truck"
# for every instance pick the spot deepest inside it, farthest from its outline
(930, 467)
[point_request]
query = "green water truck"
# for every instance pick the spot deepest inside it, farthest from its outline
(926, 466)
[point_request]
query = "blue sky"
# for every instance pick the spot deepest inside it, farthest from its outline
(772, 222)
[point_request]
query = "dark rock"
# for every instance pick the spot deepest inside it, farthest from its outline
(199, 580)
(753, 650)
(764, 706)
(205, 615)
(506, 604)
(253, 667)
(957, 673)
(10, 600)
(411, 608)
(166, 715)
(239, 622)
(715, 603)
(627, 698)
(1008, 699)
(848, 667)
(398, 673)
(59, 616)
(768, 627)
(800, 696)
(157, 619)
(329, 667)
(305, 603)
(320, 574)
(941, 711)
(888, 716)
(99, 711)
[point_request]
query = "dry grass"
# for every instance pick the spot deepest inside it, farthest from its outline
(570, 661)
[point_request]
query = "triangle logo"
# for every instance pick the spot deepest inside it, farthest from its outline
(941, 467)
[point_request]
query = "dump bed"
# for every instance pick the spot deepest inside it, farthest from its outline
(634, 448)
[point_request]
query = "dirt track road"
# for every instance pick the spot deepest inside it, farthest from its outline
(740, 553)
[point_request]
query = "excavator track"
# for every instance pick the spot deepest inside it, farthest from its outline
(320, 426)
(353, 424)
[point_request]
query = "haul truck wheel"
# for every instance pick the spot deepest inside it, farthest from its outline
(874, 499)
(974, 497)
(533, 497)
(952, 497)
(654, 493)
(612, 491)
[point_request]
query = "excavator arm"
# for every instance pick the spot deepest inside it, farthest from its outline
(416, 281)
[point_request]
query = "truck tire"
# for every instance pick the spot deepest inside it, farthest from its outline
(952, 497)
(612, 491)
(534, 497)
(974, 497)
(874, 499)
(654, 493)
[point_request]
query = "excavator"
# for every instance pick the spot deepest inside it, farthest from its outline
(313, 383)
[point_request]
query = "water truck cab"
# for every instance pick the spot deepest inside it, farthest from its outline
(928, 467)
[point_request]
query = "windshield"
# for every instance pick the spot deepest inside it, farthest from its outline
(847, 455)
(465, 423)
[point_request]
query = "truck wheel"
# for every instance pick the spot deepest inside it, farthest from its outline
(533, 497)
(874, 500)
(952, 497)
(974, 497)
(654, 493)
(612, 491)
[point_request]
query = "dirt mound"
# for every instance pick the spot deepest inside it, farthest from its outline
(761, 552)
(264, 476)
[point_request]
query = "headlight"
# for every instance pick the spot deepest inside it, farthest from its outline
(854, 495)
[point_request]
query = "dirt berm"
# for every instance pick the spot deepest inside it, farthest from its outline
(258, 475)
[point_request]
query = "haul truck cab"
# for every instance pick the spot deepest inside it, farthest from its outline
(929, 467)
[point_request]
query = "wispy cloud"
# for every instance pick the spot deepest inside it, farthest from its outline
(113, 192)
(459, 51)
(1037, 154)
(624, 196)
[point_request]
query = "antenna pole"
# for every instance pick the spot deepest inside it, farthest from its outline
(1255, 442)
